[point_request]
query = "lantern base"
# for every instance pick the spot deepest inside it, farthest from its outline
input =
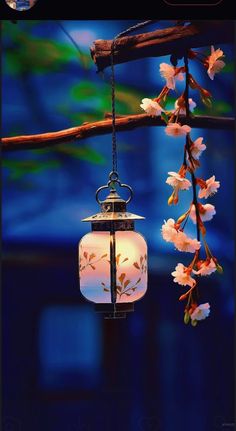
(114, 311)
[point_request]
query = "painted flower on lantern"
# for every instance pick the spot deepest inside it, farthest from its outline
(184, 243)
(206, 212)
(201, 312)
(209, 188)
(213, 63)
(168, 230)
(206, 267)
(182, 110)
(170, 74)
(151, 108)
(175, 129)
(182, 276)
(196, 148)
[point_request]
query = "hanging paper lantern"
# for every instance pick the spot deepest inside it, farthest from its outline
(113, 257)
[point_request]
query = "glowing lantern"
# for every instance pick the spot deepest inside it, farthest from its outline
(113, 257)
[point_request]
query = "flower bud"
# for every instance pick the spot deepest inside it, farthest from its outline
(181, 218)
(194, 322)
(205, 93)
(170, 200)
(186, 317)
(219, 269)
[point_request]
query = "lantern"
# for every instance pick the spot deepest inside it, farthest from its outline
(113, 257)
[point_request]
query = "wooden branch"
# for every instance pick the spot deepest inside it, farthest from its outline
(103, 127)
(162, 42)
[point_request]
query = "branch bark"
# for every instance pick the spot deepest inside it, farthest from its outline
(103, 127)
(162, 42)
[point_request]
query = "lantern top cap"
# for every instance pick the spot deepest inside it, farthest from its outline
(113, 208)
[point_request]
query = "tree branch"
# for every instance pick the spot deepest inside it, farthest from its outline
(103, 127)
(162, 42)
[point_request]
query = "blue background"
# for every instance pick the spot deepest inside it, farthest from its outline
(65, 368)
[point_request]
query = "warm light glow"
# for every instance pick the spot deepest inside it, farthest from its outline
(131, 264)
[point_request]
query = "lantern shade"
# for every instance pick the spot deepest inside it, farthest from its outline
(95, 265)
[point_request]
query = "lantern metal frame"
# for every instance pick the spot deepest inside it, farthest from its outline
(113, 217)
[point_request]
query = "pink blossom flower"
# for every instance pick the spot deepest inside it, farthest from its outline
(207, 267)
(182, 276)
(177, 182)
(214, 64)
(182, 110)
(211, 188)
(201, 312)
(168, 230)
(206, 212)
(168, 72)
(197, 147)
(175, 129)
(150, 107)
(184, 243)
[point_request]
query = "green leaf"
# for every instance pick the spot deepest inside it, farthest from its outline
(19, 168)
(38, 54)
(84, 152)
(128, 99)
(165, 117)
(228, 68)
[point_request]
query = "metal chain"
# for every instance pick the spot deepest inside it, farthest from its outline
(113, 108)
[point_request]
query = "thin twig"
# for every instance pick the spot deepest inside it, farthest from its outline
(194, 185)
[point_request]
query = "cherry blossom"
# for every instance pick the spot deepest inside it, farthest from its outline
(184, 243)
(177, 181)
(196, 148)
(150, 107)
(206, 212)
(168, 72)
(173, 231)
(182, 276)
(206, 267)
(201, 312)
(175, 129)
(182, 110)
(211, 188)
(214, 64)
(168, 230)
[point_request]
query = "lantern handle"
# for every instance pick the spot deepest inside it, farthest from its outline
(98, 191)
(113, 178)
(130, 190)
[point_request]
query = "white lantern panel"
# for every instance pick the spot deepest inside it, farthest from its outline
(131, 266)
